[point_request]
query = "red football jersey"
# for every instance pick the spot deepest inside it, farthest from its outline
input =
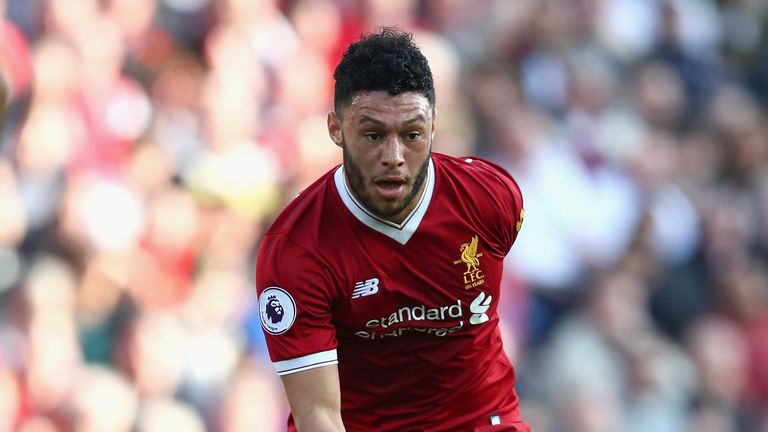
(408, 311)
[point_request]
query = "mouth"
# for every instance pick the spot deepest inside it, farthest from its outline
(390, 187)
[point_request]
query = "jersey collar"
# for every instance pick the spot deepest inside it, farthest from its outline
(401, 232)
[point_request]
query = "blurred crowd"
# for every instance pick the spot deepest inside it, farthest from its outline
(149, 143)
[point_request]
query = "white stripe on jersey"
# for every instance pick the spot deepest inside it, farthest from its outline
(401, 232)
(307, 362)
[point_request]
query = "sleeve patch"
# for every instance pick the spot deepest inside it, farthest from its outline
(277, 310)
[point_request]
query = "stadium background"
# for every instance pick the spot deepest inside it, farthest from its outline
(150, 142)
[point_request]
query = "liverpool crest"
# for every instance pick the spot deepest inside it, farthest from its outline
(473, 276)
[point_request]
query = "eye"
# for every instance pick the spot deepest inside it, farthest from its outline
(372, 136)
(413, 136)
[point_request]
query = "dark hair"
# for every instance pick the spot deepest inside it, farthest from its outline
(388, 61)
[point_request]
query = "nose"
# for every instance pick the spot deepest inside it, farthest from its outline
(392, 153)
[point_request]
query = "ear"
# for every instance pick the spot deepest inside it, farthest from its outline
(334, 129)
(434, 117)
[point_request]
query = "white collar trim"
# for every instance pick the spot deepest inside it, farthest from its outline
(401, 232)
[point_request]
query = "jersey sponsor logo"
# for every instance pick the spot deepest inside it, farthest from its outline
(435, 321)
(473, 276)
(479, 307)
(277, 310)
(417, 313)
(400, 331)
(429, 318)
(366, 288)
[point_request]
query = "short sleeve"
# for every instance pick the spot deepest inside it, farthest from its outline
(508, 198)
(294, 307)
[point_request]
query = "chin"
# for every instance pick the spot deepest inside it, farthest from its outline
(388, 210)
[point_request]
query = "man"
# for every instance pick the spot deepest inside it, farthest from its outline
(387, 268)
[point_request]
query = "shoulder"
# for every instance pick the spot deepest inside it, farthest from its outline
(290, 252)
(488, 195)
(306, 212)
(304, 231)
(476, 174)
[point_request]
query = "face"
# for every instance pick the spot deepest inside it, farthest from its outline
(386, 142)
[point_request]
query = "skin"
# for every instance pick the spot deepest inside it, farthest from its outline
(315, 399)
(386, 142)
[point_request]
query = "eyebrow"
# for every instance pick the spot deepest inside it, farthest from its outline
(419, 117)
(369, 119)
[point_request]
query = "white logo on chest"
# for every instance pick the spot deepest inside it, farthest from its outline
(479, 307)
(366, 288)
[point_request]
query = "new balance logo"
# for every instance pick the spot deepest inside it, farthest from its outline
(366, 288)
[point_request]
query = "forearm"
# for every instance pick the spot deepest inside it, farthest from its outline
(318, 420)
(315, 399)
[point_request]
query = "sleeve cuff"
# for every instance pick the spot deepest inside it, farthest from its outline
(307, 362)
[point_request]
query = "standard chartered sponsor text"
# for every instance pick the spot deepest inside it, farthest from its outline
(382, 327)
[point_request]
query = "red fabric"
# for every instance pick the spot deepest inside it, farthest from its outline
(430, 367)
(756, 334)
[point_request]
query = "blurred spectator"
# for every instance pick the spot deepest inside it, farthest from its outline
(245, 407)
(4, 96)
(10, 399)
(720, 354)
(611, 352)
(104, 402)
(17, 75)
(157, 415)
(147, 45)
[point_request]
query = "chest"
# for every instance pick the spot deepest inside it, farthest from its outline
(442, 281)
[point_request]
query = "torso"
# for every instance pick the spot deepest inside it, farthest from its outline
(415, 308)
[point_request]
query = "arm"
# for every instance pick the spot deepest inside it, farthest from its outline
(295, 303)
(315, 399)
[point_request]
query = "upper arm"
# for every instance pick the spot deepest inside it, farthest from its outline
(315, 399)
(295, 303)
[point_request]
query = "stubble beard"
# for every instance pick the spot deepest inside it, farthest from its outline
(357, 182)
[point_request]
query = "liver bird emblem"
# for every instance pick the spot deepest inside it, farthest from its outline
(469, 255)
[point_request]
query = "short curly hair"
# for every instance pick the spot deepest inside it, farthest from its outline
(387, 60)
